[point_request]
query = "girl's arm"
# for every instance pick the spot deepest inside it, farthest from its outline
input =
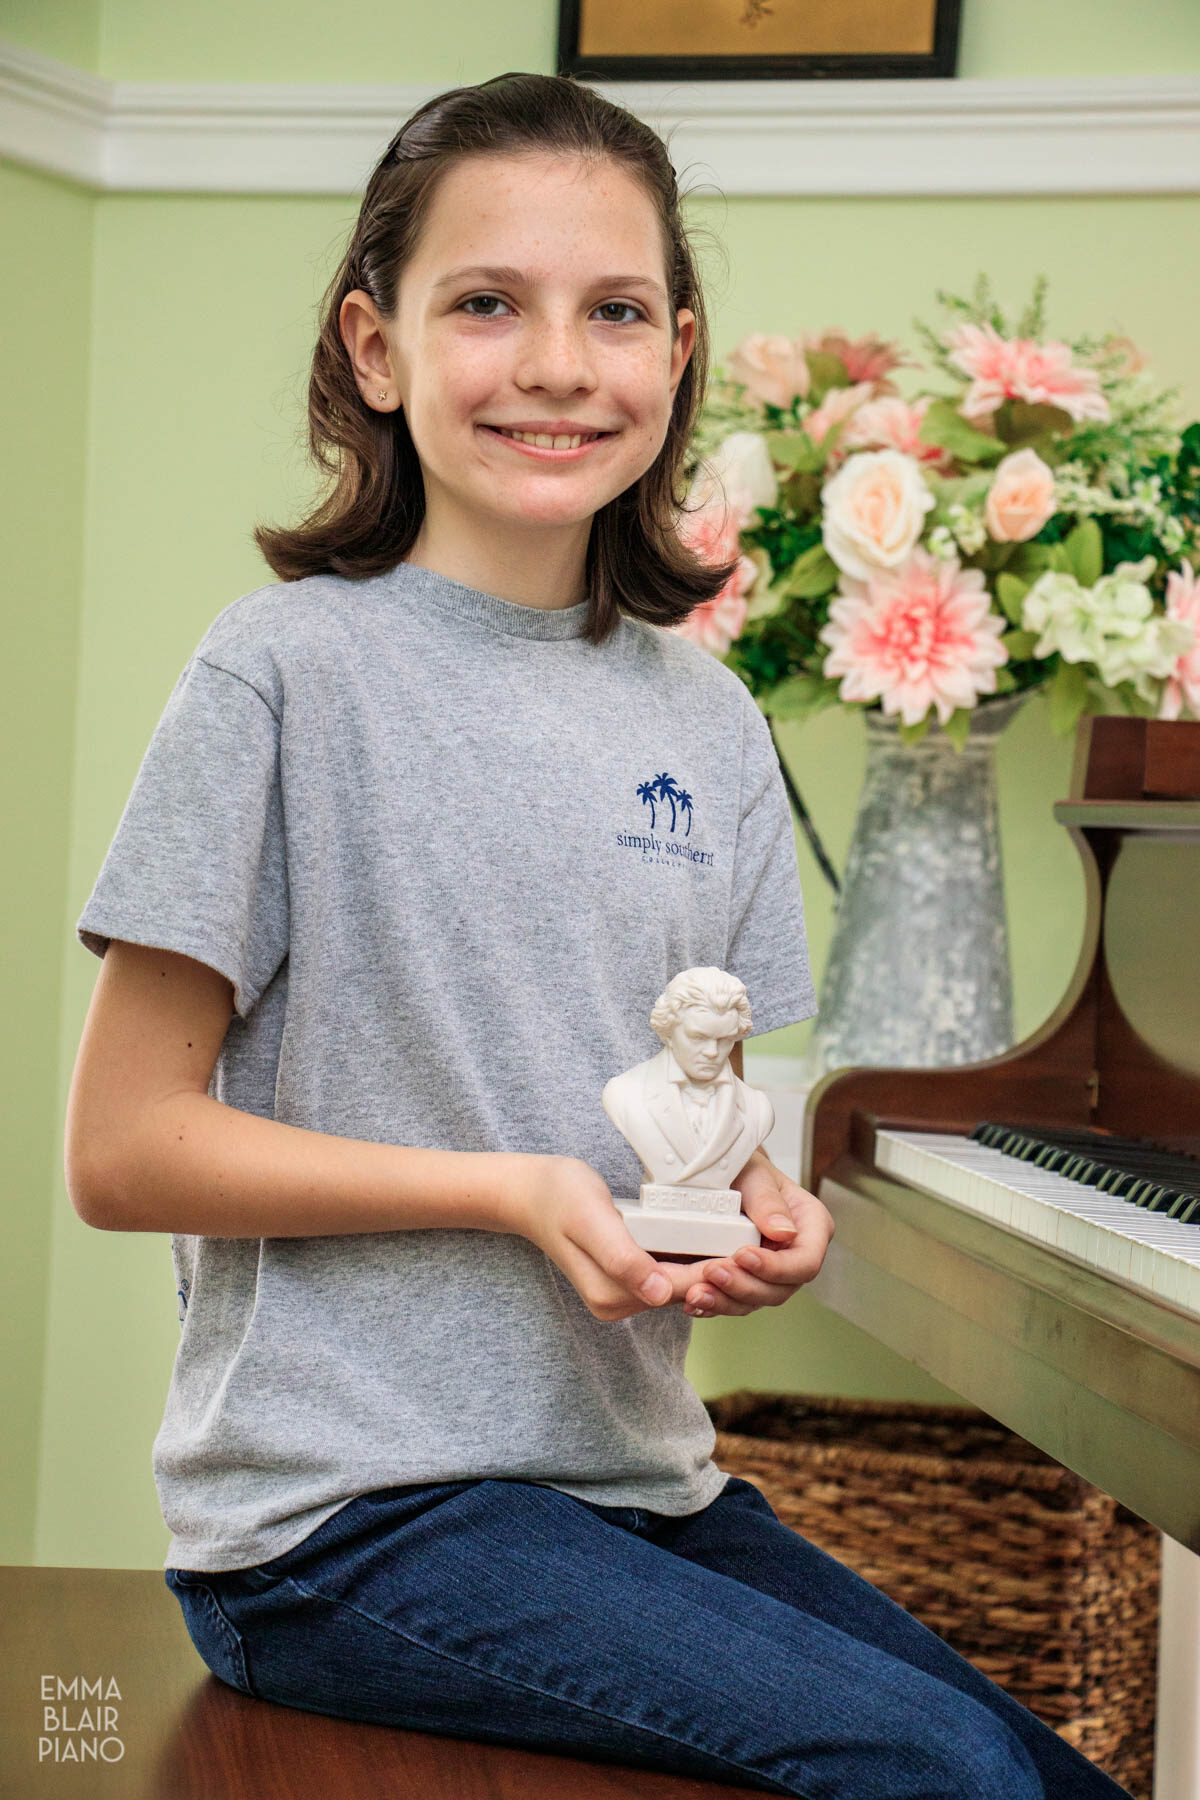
(148, 1149)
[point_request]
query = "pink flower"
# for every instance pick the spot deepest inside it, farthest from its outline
(1020, 369)
(916, 636)
(891, 424)
(1021, 498)
(1183, 683)
(712, 533)
(864, 359)
(772, 369)
(837, 405)
(1132, 359)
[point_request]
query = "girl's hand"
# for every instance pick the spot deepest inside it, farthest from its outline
(789, 1256)
(565, 1208)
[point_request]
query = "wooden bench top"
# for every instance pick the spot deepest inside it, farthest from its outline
(177, 1733)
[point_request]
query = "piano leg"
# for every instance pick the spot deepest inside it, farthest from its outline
(1177, 1725)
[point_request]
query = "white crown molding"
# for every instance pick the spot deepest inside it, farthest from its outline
(1105, 135)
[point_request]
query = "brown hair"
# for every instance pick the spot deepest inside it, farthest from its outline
(636, 560)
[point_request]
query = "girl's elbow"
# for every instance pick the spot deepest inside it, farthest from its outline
(91, 1195)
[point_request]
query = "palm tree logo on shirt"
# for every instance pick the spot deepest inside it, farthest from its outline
(645, 794)
(665, 787)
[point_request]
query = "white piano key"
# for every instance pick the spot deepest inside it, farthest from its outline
(1158, 1255)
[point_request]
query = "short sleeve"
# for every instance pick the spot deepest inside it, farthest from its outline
(767, 942)
(198, 863)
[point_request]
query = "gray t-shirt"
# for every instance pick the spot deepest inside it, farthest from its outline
(449, 853)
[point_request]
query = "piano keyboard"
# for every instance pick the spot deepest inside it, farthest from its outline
(1134, 1169)
(1145, 1250)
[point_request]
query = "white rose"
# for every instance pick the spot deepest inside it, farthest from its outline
(739, 474)
(873, 511)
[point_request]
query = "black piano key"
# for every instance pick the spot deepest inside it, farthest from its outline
(1162, 1181)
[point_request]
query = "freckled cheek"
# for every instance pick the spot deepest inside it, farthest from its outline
(643, 391)
(457, 379)
(642, 376)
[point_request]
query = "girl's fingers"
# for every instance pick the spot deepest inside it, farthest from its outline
(739, 1284)
(717, 1304)
(742, 1293)
(711, 1298)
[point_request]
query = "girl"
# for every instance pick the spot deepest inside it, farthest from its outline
(423, 831)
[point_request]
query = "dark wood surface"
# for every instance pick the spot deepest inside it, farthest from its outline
(185, 1735)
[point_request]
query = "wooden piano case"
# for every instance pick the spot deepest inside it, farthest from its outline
(1101, 1377)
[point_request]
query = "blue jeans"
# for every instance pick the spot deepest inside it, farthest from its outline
(721, 1645)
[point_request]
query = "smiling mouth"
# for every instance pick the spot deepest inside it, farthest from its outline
(544, 440)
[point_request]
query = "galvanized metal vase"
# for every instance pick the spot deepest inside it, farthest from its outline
(918, 972)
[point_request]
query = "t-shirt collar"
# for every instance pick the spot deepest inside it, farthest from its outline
(421, 586)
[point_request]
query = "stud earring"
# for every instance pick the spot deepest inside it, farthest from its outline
(383, 394)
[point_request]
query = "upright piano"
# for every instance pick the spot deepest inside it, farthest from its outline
(1027, 1228)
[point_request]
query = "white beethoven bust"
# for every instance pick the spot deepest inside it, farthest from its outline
(692, 1122)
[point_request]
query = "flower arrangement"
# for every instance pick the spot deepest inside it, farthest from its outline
(1036, 525)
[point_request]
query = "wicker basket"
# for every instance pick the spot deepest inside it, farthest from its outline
(1043, 1582)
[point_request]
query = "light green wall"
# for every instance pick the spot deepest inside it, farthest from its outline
(1079, 37)
(288, 40)
(463, 41)
(66, 29)
(46, 248)
(155, 419)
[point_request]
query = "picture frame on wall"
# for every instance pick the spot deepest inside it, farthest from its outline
(821, 40)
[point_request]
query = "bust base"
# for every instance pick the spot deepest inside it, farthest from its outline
(695, 1222)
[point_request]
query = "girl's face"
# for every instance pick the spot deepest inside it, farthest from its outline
(535, 301)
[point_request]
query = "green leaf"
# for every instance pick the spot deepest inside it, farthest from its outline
(1019, 644)
(1006, 681)
(1134, 703)
(1030, 560)
(945, 426)
(1068, 696)
(992, 557)
(794, 450)
(970, 489)
(912, 734)
(802, 493)
(1084, 550)
(1032, 322)
(766, 597)
(825, 371)
(1021, 423)
(958, 725)
(799, 697)
(1011, 592)
(811, 575)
